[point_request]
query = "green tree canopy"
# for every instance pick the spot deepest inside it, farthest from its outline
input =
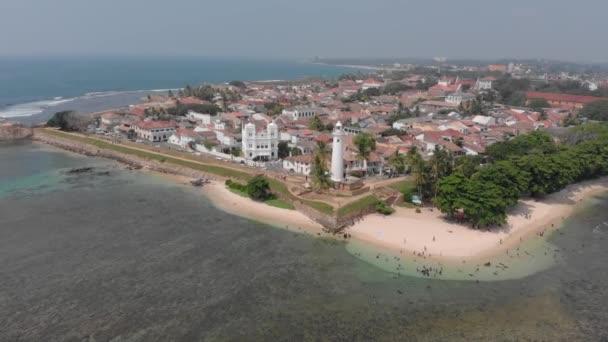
(182, 109)
(238, 84)
(597, 110)
(273, 108)
(319, 171)
(365, 145)
(258, 189)
(481, 203)
(535, 142)
(512, 181)
(394, 88)
(68, 120)
(316, 124)
(283, 150)
(538, 104)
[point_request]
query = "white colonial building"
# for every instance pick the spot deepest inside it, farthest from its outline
(459, 97)
(297, 113)
(484, 83)
(260, 143)
(298, 164)
(154, 130)
(184, 137)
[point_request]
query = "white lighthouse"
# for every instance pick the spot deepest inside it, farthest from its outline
(337, 154)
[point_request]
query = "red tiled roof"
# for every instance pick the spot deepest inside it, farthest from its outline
(564, 97)
(323, 138)
(155, 124)
(192, 100)
(303, 158)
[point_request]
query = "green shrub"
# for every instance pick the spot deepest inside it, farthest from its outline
(382, 208)
(236, 186)
(258, 188)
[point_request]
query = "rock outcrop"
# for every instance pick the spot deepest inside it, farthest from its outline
(14, 131)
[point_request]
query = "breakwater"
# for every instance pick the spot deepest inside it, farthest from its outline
(332, 222)
(128, 159)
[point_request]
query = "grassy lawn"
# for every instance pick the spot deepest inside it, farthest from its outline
(240, 193)
(213, 169)
(358, 205)
(282, 188)
(403, 186)
(276, 202)
(279, 203)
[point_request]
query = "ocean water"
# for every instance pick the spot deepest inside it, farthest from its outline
(129, 256)
(35, 87)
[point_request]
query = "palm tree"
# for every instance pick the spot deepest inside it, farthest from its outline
(319, 172)
(419, 169)
(323, 150)
(398, 162)
(441, 165)
(365, 144)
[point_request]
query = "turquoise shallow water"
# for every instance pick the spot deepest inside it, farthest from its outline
(130, 256)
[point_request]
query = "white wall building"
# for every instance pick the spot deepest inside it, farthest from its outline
(205, 118)
(484, 83)
(183, 137)
(111, 119)
(298, 164)
(297, 113)
(484, 120)
(154, 130)
(260, 144)
(458, 98)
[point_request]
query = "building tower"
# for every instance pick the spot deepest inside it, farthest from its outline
(273, 134)
(337, 154)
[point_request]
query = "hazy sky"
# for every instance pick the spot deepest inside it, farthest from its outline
(560, 29)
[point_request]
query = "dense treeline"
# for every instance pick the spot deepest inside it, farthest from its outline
(208, 93)
(69, 120)
(597, 110)
(181, 109)
(572, 87)
(529, 165)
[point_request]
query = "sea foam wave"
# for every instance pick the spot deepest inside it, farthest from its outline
(37, 107)
(31, 108)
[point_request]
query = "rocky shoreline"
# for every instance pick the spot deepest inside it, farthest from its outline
(10, 131)
(130, 160)
(331, 222)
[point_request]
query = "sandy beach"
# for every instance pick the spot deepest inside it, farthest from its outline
(232, 203)
(429, 233)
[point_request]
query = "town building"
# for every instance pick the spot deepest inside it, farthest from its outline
(458, 97)
(370, 83)
(260, 143)
(298, 164)
(557, 100)
(297, 113)
(484, 83)
(155, 131)
(184, 138)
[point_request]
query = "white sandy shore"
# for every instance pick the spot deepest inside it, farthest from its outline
(230, 202)
(427, 232)
(430, 233)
